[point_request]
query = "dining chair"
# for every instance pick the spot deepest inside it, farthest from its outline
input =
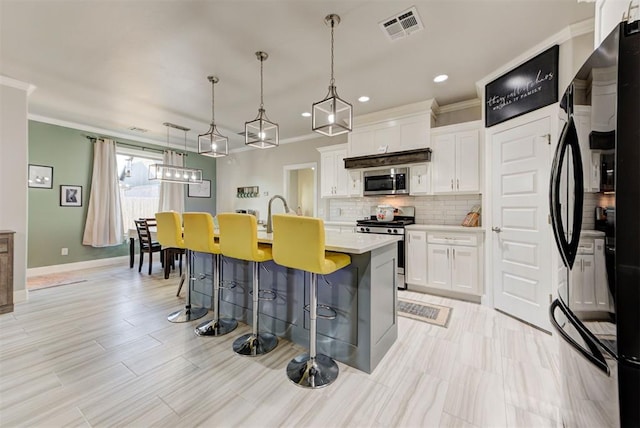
(147, 245)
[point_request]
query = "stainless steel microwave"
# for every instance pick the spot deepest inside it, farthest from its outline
(390, 181)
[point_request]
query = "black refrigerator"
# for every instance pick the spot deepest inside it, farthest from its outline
(600, 345)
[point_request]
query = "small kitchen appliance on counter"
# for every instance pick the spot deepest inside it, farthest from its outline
(401, 217)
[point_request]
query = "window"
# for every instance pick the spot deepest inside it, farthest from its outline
(139, 196)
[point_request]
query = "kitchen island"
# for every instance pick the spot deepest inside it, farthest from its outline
(363, 296)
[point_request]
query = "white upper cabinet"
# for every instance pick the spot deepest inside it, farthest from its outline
(420, 176)
(355, 183)
(406, 133)
(456, 159)
(335, 180)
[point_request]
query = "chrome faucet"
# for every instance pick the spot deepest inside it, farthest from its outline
(286, 210)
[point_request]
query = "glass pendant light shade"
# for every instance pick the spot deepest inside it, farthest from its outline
(213, 143)
(261, 132)
(175, 173)
(333, 115)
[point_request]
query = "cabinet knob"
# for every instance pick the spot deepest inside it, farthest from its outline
(496, 229)
(452, 184)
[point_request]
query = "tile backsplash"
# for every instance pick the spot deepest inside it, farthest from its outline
(440, 210)
(591, 201)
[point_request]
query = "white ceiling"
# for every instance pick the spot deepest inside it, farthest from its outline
(116, 64)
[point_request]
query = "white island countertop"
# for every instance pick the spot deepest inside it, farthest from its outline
(346, 242)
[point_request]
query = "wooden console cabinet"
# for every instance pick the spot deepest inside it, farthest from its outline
(6, 271)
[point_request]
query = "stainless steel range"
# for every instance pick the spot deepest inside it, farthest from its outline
(405, 216)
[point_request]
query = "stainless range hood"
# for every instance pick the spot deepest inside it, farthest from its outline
(389, 159)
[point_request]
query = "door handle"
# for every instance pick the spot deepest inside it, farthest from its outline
(447, 253)
(496, 229)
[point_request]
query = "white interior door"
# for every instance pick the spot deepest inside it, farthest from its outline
(521, 233)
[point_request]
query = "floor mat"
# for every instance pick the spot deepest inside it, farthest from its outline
(426, 312)
(53, 280)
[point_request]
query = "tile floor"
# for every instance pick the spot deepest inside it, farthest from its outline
(101, 353)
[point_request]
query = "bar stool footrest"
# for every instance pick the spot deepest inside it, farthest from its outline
(187, 314)
(312, 373)
(251, 345)
(263, 293)
(228, 284)
(333, 312)
(216, 328)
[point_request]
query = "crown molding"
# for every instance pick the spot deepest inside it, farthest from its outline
(101, 132)
(462, 105)
(13, 83)
(568, 33)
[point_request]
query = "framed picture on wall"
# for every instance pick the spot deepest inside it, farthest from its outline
(70, 196)
(41, 176)
(199, 190)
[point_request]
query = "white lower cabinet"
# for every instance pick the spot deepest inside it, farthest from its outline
(589, 289)
(416, 255)
(443, 260)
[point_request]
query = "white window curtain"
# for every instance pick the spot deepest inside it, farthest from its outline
(172, 194)
(104, 227)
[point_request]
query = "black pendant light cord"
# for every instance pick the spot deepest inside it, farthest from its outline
(213, 107)
(332, 81)
(261, 84)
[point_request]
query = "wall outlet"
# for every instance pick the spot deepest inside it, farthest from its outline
(64, 252)
(265, 193)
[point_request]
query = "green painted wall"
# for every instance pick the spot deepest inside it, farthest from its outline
(52, 227)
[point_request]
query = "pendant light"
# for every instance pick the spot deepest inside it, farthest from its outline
(332, 116)
(173, 173)
(213, 143)
(261, 132)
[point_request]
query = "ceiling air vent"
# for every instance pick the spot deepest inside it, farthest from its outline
(402, 25)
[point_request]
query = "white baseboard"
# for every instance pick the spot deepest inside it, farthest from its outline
(20, 296)
(46, 270)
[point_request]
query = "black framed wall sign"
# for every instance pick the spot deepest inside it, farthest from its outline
(40, 176)
(70, 196)
(527, 87)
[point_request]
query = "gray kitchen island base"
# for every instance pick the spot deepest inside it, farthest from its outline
(363, 296)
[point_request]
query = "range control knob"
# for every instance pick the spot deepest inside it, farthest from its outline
(388, 230)
(395, 230)
(367, 229)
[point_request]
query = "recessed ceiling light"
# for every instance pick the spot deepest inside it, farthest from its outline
(363, 99)
(440, 78)
(306, 114)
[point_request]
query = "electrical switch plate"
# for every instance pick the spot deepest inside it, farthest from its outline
(64, 252)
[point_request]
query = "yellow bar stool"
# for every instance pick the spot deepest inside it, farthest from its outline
(239, 240)
(198, 236)
(170, 236)
(298, 243)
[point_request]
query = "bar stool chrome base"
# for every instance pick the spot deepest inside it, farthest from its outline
(216, 328)
(187, 314)
(314, 374)
(251, 345)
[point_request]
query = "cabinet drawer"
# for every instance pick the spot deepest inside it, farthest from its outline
(452, 239)
(585, 247)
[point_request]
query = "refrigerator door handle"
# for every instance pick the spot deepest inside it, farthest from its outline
(595, 357)
(568, 248)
